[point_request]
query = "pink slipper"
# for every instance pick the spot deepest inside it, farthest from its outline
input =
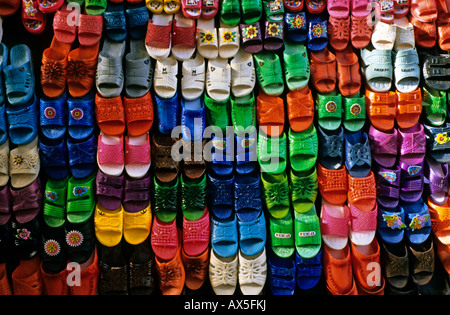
(137, 155)
(196, 235)
(339, 9)
(334, 223)
(361, 8)
(110, 154)
(50, 6)
(209, 8)
(191, 9)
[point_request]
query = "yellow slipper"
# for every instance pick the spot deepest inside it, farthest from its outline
(172, 6)
(155, 6)
(137, 225)
(108, 225)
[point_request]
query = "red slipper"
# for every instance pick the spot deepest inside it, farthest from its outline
(33, 20)
(9, 7)
(210, 8)
(191, 8)
(64, 31)
(50, 6)
(293, 6)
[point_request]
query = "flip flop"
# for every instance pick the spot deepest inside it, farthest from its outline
(388, 186)
(339, 32)
(138, 122)
(270, 114)
(81, 116)
(55, 199)
(384, 35)
(406, 71)
(378, 79)
(54, 157)
(33, 19)
(80, 199)
(268, 72)
(436, 180)
(183, 37)
(412, 182)
(435, 105)
(438, 142)
(296, 26)
(110, 116)
(138, 70)
(272, 153)
(409, 108)
(304, 189)
(308, 238)
(109, 190)
(82, 154)
(218, 79)
(362, 192)
(273, 35)
(303, 149)
(165, 78)
(243, 75)
(349, 72)
(331, 148)
(329, 110)
(276, 194)
(207, 41)
(381, 109)
(252, 235)
(23, 122)
(95, 7)
(251, 11)
(357, 152)
(383, 146)
(354, 116)
(360, 32)
(317, 33)
(300, 108)
(323, 70)
(296, 66)
(229, 39)
(193, 78)
(335, 225)
(24, 164)
(220, 189)
(115, 22)
(251, 37)
(159, 34)
(110, 154)
(191, 8)
(110, 74)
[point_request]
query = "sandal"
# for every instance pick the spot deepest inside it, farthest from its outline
(438, 146)
(172, 6)
(222, 158)
(159, 34)
(317, 34)
(9, 7)
(243, 75)
(110, 115)
(378, 79)
(166, 200)
(316, 6)
(193, 78)
(357, 152)
(388, 186)
(224, 237)
(296, 29)
(24, 164)
(243, 116)
(405, 39)
(444, 38)
(23, 122)
(333, 184)
(418, 221)
(303, 149)
(138, 122)
(194, 209)
(425, 11)
(183, 37)
(282, 241)
(274, 35)
(339, 33)
(246, 152)
(80, 199)
(136, 194)
(81, 116)
(210, 8)
(64, 32)
(155, 6)
(381, 109)
(292, 6)
(90, 29)
(220, 189)
(308, 238)
(4, 56)
(82, 153)
(329, 111)
(251, 37)
(269, 73)
(439, 215)
(425, 33)
(55, 200)
(391, 225)
(323, 71)
(229, 38)
(272, 153)
(409, 108)
(165, 167)
(95, 7)
(248, 199)
(193, 120)
(361, 8)
(4, 163)
(436, 180)
(108, 225)
(217, 114)
(304, 189)
(110, 75)
(207, 42)
(138, 71)
(252, 235)
(412, 144)
(296, 66)
(137, 19)
(34, 20)
(401, 8)
(230, 12)
(384, 35)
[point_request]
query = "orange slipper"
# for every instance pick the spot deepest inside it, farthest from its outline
(110, 115)
(55, 283)
(196, 268)
(338, 271)
(381, 109)
(440, 220)
(138, 114)
(425, 33)
(53, 69)
(300, 107)
(270, 114)
(348, 72)
(27, 278)
(5, 286)
(81, 70)
(362, 192)
(333, 184)
(443, 27)
(323, 70)
(369, 280)
(443, 253)
(88, 277)
(409, 108)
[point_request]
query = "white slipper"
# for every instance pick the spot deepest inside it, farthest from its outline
(207, 43)
(110, 154)
(334, 221)
(4, 163)
(193, 79)
(383, 36)
(137, 155)
(243, 76)
(158, 30)
(229, 38)
(404, 35)
(252, 273)
(165, 77)
(182, 51)
(362, 225)
(223, 274)
(24, 164)
(218, 79)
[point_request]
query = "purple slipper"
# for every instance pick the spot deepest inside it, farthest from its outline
(412, 144)
(383, 146)
(436, 180)
(27, 201)
(273, 35)
(388, 186)
(109, 190)
(251, 37)
(5, 205)
(137, 194)
(411, 181)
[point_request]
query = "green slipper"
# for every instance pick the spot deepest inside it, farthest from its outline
(435, 104)
(165, 200)
(296, 65)
(308, 238)
(217, 113)
(95, 7)
(276, 194)
(329, 110)
(230, 12)
(304, 189)
(269, 73)
(272, 153)
(354, 113)
(274, 10)
(243, 113)
(80, 199)
(282, 236)
(303, 148)
(193, 197)
(55, 198)
(251, 11)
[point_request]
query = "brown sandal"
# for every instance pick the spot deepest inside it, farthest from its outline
(166, 168)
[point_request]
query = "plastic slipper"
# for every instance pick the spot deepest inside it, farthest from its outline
(308, 271)
(53, 117)
(425, 11)
(292, 6)
(435, 71)
(90, 29)
(362, 192)
(383, 146)
(108, 225)
(136, 194)
(417, 219)
(331, 148)
(23, 122)
(109, 190)
(405, 39)
(296, 26)
(391, 225)
(338, 9)
(183, 37)
(323, 70)
(361, 8)
(270, 114)
(191, 9)
(438, 143)
(363, 225)
(315, 6)
(9, 7)
(193, 120)
(64, 32)
(425, 33)
(193, 78)
(360, 32)
(251, 37)
(229, 39)
(255, 284)
(218, 79)
(165, 77)
(80, 198)
(308, 239)
(220, 189)
(338, 275)
(19, 76)
(82, 154)
(167, 113)
(81, 70)
(4, 56)
(401, 8)
(158, 40)
(412, 144)
(434, 104)
(230, 12)
(381, 109)
(339, 33)
(137, 17)
(54, 157)
(276, 194)
(110, 115)
(269, 73)
(251, 11)
(329, 110)
(349, 72)
(252, 235)
(304, 189)
(164, 247)
(4, 163)
(5, 211)
(273, 35)
(411, 181)
(81, 116)
(273, 10)
(388, 186)
(24, 164)
(26, 202)
(384, 35)
(54, 210)
(439, 221)
(165, 167)
(172, 6)
(138, 122)
(436, 180)
(110, 75)
(354, 115)
(210, 8)
(378, 79)
(217, 263)
(155, 6)
(196, 234)
(281, 275)
(166, 199)
(407, 71)
(296, 66)
(246, 152)
(137, 225)
(333, 184)
(303, 149)
(224, 237)
(138, 70)
(409, 108)
(95, 7)
(243, 75)
(34, 20)
(247, 197)
(243, 116)
(194, 209)
(443, 28)
(300, 107)
(110, 154)
(357, 153)
(317, 34)
(207, 42)
(115, 23)
(272, 153)
(334, 225)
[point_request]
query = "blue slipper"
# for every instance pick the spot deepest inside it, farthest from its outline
(317, 33)
(19, 76)
(54, 157)
(358, 159)
(4, 56)
(391, 225)
(193, 119)
(246, 149)
(221, 157)
(53, 116)
(82, 156)
(224, 237)
(418, 222)
(281, 275)
(167, 113)
(23, 122)
(137, 20)
(309, 271)
(252, 235)
(296, 26)
(81, 118)
(247, 196)
(331, 148)
(115, 23)
(220, 190)
(3, 125)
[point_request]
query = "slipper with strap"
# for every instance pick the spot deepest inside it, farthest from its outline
(110, 154)
(323, 70)
(33, 19)
(304, 189)
(191, 9)
(269, 73)
(378, 79)
(136, 193)
(300, 108)
(183, 37)
(158, 40)
(303, 149)
(251, 11)
(296, 26)
(110, 75)
(391, 225)
(282, 240)
(24, 164)
(406, 71)
(296, 66)
(165, 77)
(82, 154)
(411, 181)
(412, 144)
(417, 219)
(308, 237)
(435, 71)
(80, 199)
(81, 116)
(251, 37)
(334, 225)
(388, 186)
(381, 109)
(110, 115)
(409, 108)
(23, 122)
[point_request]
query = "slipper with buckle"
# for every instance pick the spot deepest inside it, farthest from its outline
(139, 114)
(24, 164)
(229, 39)
(115, 23)
(110, 115)
(304, 189)
(381, 109)
(82, 154)
(269, 73)
(300, 108)
(383, 146)
(296, 66)
(251, 37)
(339, 32)
(270, 114)
(183, 37)
(362, 192)
(348, 72)
(303, 149)
(193, 78)
(434, 104)
(81, 116)
(207, 41)
(191, 9)
(357, 152)
(53, 117)
(435, 71)
(436, 181)
(110, 74)
(317, 33)
(406, 70)
(110, 154)
(210, 8)
(438, 142)
(296, 26)
(334, 225)
(251, 11)
(308, 238)
(331, 148)
(109, 190)
(378, 78)
(158, 40)
(354, 115)
(54, 157)
(323, 70)
(329, 110)
(23, 122)
(272, 153)
(243, 75)
(218, 79)
(360, 32)
(165, 78)
(33, 19)
(224, 236)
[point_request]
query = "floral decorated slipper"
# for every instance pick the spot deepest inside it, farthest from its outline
(438, 142)
(207, 41)
(274, 10)
(24, 163)
(274, 35)
(317, 34)
(276, 185)
(354, 117)
(251, 37)
(53, 117)
(417, 219)
(33, 19)
(315, 6)
(296, 26)
(229, 39)
(155, 6)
